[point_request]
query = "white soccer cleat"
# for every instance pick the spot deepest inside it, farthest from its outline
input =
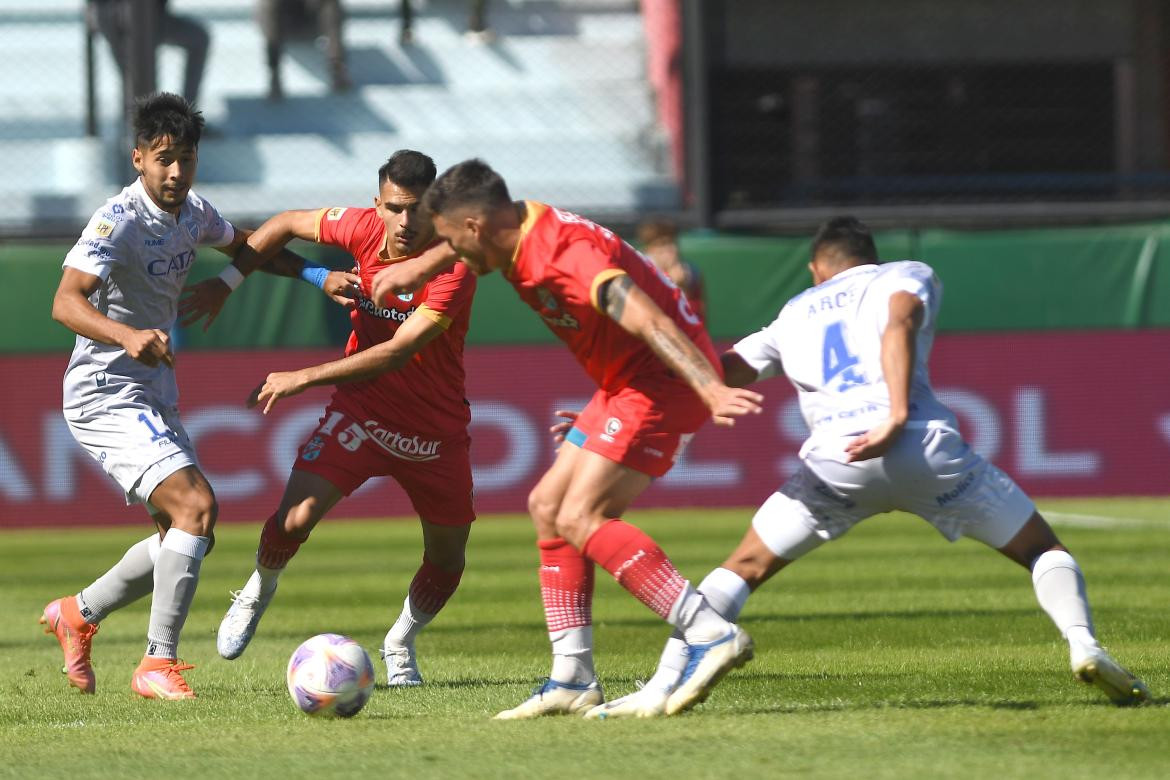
(239, 624)
(1094, 666)
(706, 666)
(401, 666)
(556, 698)
(646, 702)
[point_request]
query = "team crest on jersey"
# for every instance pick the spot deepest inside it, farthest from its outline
(192, 229)
(546, 299)
(104, 228)
(334, 214)
(549, 311)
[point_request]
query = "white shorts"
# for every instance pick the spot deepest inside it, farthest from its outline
(137, 444)
(930, 472)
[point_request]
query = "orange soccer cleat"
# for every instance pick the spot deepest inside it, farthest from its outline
(161, 678)
(61, 617)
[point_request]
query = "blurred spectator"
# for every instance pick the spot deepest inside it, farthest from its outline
(282, 20)
(115, 20)
(658, 238)
(476, 22)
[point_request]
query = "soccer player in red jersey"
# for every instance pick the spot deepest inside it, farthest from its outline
(398, 410)
(655, 367)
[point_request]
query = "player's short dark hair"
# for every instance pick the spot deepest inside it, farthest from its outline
(408, 169)
(470, 183)
(848, 236)
(166, 115)
(657, 229)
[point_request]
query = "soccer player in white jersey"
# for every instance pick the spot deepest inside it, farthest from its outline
(119, 293)
(856, 347)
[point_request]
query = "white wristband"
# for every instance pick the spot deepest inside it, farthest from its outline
(231, 276)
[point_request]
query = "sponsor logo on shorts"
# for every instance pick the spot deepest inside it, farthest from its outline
(956, 491)
(613, 426)
(334, 214)
(406, 447)
(653, 452)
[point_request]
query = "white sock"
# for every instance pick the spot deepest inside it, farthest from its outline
(176, 575)
(130, 579)
(1060, 589)
(410, 621)
(573, 655)
(726, 592)
(670, 664)
(262, 582)
(700, 623)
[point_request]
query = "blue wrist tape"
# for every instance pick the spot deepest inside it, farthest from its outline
(315, 274)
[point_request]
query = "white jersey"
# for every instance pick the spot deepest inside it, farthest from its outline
(142, 255)
(827, 340)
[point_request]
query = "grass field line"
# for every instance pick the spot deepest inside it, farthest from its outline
(1078, 520)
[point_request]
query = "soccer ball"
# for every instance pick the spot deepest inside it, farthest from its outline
(330, 675)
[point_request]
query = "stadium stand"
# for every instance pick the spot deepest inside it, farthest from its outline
(558, 102)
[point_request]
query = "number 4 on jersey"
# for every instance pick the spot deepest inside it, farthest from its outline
(836, 359)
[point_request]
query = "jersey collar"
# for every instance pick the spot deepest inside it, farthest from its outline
(533, 211)
(155, 219)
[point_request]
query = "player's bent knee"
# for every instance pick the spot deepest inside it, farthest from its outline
(542, 509)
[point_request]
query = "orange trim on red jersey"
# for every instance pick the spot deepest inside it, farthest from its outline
(440, 319)
(533, 210)
(317, 225)
(599, 280)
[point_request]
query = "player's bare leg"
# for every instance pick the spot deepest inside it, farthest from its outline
(187, 504)
(566, 589)
(307, 497)
(586, 518)
(1060, 589)
(444, 556)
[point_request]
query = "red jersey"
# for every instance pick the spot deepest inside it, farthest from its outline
(426, 395)
(560, 262)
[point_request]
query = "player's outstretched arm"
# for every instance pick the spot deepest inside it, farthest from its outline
(411, 336)
(409, 276)
(899, 348)
(737, 372)
(264, 249)
(72, 308)
(631, 308)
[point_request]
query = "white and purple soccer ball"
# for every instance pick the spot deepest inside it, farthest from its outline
(330, 675)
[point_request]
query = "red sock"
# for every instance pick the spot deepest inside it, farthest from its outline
(637, 563)
(566, 585)
(276, 547)
(432, 586)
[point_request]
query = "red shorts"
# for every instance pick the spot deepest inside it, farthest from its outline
(645, 432)
(435, 473)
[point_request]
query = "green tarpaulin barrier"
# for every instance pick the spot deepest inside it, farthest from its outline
(1068, 278)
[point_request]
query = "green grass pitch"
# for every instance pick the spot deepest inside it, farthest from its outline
(886, 654)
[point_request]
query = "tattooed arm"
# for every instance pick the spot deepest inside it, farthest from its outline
(631, 308)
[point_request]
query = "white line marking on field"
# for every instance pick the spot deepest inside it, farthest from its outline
(1099, 521)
